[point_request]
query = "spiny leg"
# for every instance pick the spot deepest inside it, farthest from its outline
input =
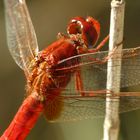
(102, 43)
(79, 83)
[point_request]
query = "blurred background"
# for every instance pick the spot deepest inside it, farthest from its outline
(50, 17)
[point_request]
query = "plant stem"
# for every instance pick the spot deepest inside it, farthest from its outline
(111, 123)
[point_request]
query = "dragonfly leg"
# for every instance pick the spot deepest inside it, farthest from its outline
(79, 83)
(80, 86)
(110, 55)
(102, 43)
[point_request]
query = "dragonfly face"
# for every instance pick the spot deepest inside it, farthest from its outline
(89, 29)
(71, 79)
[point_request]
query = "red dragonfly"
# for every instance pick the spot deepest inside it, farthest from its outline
(67, 80)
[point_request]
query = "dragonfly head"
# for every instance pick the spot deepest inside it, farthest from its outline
(88, 28)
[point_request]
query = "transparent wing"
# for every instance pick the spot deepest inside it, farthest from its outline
(89, 107)
(21, 36)
(93, 69)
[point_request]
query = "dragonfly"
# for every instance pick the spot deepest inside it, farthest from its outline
(67, 80)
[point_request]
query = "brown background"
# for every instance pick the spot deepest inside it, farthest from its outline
(50, 17)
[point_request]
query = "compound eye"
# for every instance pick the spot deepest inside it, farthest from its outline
(94, 23)
(89, 29)
(74, 28)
